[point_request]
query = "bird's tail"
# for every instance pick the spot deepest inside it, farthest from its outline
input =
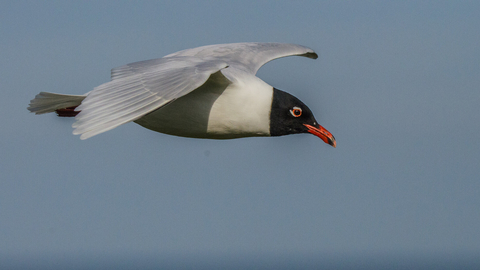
(63, 105)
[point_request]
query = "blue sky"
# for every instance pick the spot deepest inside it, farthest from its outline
(397, 84)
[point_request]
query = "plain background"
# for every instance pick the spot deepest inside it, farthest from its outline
(397, 84)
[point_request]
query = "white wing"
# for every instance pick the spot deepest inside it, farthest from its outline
(139, 88)
(248, 56)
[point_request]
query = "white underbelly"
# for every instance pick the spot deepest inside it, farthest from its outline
(216, 111)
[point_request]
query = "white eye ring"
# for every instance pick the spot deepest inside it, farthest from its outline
(296, 112)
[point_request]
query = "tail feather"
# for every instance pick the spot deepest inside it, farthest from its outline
(64, 105)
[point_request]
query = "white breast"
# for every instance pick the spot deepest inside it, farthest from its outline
(217, 110)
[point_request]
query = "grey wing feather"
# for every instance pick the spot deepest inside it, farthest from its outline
(140, 88)
(249, 56)
(139, 67)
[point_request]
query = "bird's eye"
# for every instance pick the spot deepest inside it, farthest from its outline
(296, 111)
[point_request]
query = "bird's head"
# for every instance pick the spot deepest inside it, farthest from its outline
(289, 115)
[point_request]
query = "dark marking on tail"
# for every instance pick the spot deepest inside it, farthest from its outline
(67, 112)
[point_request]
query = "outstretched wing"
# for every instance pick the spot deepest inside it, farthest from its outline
(139, 88)
(248, 56)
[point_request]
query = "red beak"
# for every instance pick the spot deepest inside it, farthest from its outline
(323, 134)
